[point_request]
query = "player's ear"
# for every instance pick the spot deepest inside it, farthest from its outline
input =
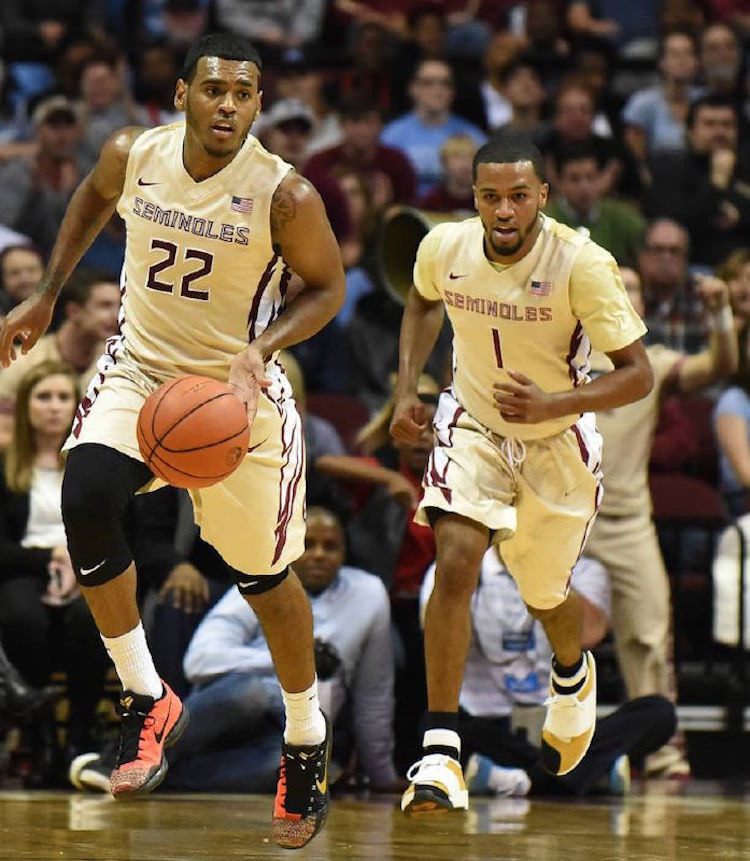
(180, 94)
(543, 194)
(474, 195)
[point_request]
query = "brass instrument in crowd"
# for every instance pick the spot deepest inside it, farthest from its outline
(402, 230)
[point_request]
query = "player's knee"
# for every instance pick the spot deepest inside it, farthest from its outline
(456, 575)
(94, 499)
(251, 585)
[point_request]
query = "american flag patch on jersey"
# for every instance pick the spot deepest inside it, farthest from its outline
(541, 288)
(241, 204)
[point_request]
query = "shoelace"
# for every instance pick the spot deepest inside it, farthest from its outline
(414, 769)
(133, 724)
(514, 451)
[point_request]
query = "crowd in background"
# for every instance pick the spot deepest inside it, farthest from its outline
(641, 111)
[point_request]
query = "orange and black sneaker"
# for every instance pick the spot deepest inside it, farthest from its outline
(301, 804)
(148, 727)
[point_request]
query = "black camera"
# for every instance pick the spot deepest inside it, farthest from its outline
(327, 660)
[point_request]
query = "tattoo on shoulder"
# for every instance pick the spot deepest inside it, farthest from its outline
(283, 208)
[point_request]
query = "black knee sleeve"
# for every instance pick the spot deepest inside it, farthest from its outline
(257, 585)
(99, 483)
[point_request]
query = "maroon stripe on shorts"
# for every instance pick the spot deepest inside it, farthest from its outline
(575, 343)
(288, 494)
(583, 448)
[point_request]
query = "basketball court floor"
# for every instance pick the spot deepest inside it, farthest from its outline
(702, 821)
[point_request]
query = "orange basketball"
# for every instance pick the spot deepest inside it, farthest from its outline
(193, 431)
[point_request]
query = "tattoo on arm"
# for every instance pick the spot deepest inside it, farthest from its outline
(283, 208)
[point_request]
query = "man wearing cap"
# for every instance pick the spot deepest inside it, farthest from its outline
(36, 190)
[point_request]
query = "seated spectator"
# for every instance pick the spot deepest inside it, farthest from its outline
(573, 122)
(456, 189)
(706, 188)
(623, 538)
(90, 302)
(735, 270)
(507, 680)
(21, 270)
(44, 620)
(233, 741)
(36, 189)
(579, 203)
(630, 27)
(387, 170)
(367, 70)
(156, 71)
(420, 133)
(526, 96)
(732, 425)
(674, 313)
(722, 64)
(655, 116)
(503, 49)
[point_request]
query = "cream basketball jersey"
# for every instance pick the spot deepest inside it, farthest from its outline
(538, 316)
(200, 278)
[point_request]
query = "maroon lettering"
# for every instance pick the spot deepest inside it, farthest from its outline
(459, 297)
(516, 315)
(531, 313)
(148, 210)
(241, 237)
(137, 205)
(505, 311)
(448, 297)
(545, 314)
(227, 232)
(491, 308)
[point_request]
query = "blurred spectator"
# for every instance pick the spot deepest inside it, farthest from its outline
(733, 12)
(593, 61)
(106, 103)
(156, 72)
(721, 64)
(181, 22)
(36, 30)
(507, 679)
(706, 188)
(390, 15)
(623, 537)
(420, 133)
(655, 117)
(272, 26)
(579, 203)
(36, 190)
(735, 270)
(631, 27)
(674, 314)
(683, 14)
(524, 91)
(388, 171)
(233, 740)
(456, 189)
(285, 130)
(732, 425)
(547, 48)
(21, 270)
(574, 114)
(503, 49)
(90, 302)
(45, 622)
(301, 77)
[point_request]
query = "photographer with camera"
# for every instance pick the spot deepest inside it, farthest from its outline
(233, 741)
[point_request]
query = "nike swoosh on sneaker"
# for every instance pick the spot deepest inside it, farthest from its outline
(85, 571)
(142, 182)
(159, 735)
(322, 785)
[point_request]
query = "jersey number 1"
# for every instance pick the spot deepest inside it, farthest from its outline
(171, 250)
(498, 347)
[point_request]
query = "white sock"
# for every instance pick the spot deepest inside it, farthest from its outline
(574, 680)
(304, 720)
(442, 738)
(134, 663)
(509, 781)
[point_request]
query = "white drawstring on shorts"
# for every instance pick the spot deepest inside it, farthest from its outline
(514, 451)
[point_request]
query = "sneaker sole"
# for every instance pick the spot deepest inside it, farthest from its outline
(427, 802)
(161, 772)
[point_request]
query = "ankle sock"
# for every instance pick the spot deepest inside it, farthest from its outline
(305, 724)
(569, 679)
(133, 662)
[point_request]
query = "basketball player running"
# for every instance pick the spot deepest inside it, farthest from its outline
(215, 225)
(517, 455)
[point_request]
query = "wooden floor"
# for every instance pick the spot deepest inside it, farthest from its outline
(702, 822)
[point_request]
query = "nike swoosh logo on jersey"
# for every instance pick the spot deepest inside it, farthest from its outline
(85, 571)
(159, 735)
(142, 181)
(454, 277)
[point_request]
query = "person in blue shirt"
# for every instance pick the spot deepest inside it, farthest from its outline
(421, 133)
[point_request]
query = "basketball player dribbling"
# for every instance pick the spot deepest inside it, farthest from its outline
(215, 225)
(517, 454)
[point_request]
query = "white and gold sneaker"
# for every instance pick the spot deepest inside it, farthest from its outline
(570, 722)
(437, 786)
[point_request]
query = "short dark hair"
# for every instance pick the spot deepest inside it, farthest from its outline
(575, 151)
(508, 148)
(227, 46)
(710, 100)
(358, 104)
(20, 246)
(81, 283)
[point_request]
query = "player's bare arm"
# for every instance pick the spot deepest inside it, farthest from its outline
(520, 400)
(302, 235)
(89, 210)
(420, 327)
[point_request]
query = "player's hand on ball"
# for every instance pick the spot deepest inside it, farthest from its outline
(27, 322)
(520, 400)
(247, 376)
(409, 419)
(187, 587)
